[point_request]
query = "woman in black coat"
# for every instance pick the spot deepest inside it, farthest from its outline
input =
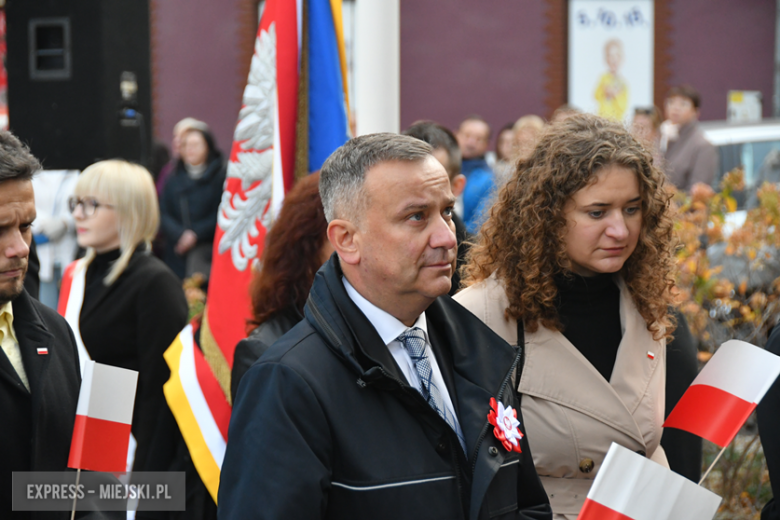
(295, 248)
(123, 304)
(189, 204)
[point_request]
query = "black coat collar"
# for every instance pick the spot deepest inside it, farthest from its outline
(31, 333)
(475, 362)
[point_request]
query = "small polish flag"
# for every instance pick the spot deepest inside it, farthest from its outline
(631, 487)
(651, 355)
(725, 392)
(103, 417)
(43, 351)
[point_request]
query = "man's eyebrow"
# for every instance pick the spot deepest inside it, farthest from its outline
(415, 206)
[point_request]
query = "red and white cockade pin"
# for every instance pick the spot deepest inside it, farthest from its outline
(43, 351)
(650, 355)
(505, 425)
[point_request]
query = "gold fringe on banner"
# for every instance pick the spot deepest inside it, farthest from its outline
(214, 356)
(302, 124)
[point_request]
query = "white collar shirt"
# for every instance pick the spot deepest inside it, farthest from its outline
(389, 328)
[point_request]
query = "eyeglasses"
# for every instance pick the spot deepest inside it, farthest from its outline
(88, 205)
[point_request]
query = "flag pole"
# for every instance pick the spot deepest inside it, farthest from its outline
(712, 465)
(75, 495)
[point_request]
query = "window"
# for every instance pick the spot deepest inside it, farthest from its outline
(49, 41)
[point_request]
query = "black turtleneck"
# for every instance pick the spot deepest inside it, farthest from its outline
(589, 309)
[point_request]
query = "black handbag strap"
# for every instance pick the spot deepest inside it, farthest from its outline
(519, 367)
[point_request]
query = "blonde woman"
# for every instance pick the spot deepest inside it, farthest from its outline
(575, 263)
(124, 305)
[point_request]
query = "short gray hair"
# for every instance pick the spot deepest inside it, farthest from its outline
(344, 172)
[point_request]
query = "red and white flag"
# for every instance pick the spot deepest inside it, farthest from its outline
(103, 417)
(633, 487)
(725, 392)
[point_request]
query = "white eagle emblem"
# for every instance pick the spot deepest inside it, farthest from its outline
(239, 213)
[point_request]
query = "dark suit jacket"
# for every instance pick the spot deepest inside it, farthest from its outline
(37, 425)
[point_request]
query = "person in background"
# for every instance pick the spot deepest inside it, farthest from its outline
(39, 363)
(295, 248)
(576, 263)
(646, 128)
(474, 138)
(190, 203)
(769, 430)
(54, 231)
(179, 129)
(527, 131)
(505, 153)
(690, 158)
(446, 150)
(131, 306)
(564, 112)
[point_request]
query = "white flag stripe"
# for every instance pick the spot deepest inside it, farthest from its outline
(86, 387)
(107, 393)
(200, 408)
(741, 369)
(644, 490)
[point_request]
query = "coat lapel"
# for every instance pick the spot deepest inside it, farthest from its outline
(9, 374)
(481, 361)
(586, 390)
(638, 357)
(32, 335)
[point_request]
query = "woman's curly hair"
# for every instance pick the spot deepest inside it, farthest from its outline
(292, 253)
(522, 241)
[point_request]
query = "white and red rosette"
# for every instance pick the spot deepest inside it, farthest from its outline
(505, 425)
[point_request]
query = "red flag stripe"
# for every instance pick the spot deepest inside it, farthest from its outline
(212, 392)
(710, 413)
(67, 281)
(594, 511)
(99, 445)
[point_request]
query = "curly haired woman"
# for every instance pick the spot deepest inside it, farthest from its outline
(577, 256)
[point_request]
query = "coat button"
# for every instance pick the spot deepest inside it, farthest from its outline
(586, 465)
(441, 448)
(493, 451)
(642, 453)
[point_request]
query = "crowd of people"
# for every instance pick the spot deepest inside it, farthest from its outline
(438, 331)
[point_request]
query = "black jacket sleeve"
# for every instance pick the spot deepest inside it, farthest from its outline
(247, 352)
(683, 449)
(277, 463)
(769, 428)
(162, 313)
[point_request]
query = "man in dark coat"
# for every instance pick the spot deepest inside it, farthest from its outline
(377, 404)
(39, 366)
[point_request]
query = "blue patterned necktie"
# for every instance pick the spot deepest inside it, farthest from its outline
(414, 342)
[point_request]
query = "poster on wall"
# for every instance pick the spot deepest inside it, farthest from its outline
(611, 56)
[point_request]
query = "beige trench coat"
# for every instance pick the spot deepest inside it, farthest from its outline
(572, 414)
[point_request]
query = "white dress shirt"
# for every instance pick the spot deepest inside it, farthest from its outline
(389, 328)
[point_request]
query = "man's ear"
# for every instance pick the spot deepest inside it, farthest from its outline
(458, 184)
(341, 235)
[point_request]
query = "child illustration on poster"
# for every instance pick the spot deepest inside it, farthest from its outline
(612, 90)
